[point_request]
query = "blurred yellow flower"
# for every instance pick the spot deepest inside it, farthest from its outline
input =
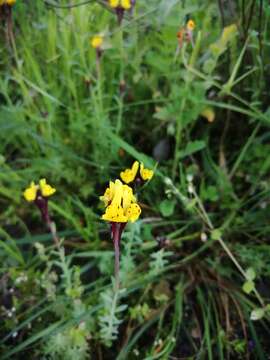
(124, 4)
(146, 174)
(191, 25)
(30, 193)
(209, 114)
(114, 3)
(7, 2)
(97, 41)
(129, 175)
(121, 204)
(46, 190)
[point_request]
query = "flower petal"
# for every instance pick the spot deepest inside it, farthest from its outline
(146, 174)
(126, 4)
(46, 189)
(30, 193)
(129, 175)
(133, 212)
(114, 213)
(114, 3)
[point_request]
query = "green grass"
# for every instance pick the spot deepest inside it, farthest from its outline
(184, 262)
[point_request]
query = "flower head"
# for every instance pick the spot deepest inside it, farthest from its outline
(114, 3)
(146, 174)
(209, 114)
(97, 41)
(7, 2)
(126, 4)
(137, 172)
(46, 189)
(129, 175)
(190, 25)
(30, 194)
(121, 204)
(120, 4)
(185, 34)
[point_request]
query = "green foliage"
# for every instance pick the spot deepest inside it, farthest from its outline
(69, 344)
(248, 286)
(109, 319)
(167, 207)
(159, 260)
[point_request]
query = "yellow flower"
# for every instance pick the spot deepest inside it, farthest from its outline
(97, 41)
(129, 175)
(126, 4)
(191, 25)
(209, 114)
(121, 204)
(30, 193)
(146, 174)
(46, 189)
(114, 3)
(7, 2)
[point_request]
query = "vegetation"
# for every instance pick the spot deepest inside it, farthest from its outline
(89, 87)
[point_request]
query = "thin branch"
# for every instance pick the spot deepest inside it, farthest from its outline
(53, 4)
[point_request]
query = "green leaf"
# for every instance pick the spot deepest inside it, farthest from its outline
(257, 314)
(216, 234)
(166, 207)
(191, 204)
(191, 148)
(250, 274)
(210, 193)
(248, 287)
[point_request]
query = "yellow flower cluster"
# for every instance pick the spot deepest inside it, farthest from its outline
(97, 41)
(129, 175)
(7, 2)
(121, 204)
(119, 200)
(122, 4)
(46, 190)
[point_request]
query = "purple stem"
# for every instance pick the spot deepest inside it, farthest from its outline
(117, 229)
(116, 241)
(120, 15)
(42, 204)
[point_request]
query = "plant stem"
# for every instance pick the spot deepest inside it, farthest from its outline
(52, 228)
(43, 206)
(116, 233)
(121, 81)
